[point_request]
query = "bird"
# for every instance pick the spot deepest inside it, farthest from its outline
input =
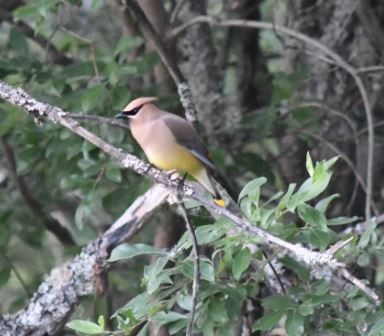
(171, 143)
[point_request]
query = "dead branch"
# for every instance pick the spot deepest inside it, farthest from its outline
(52, 225)
(334, 57)
(56, 55)
(61, 291)
(182, 85)
(41, 110)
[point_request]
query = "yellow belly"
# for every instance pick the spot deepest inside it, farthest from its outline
(178, 158)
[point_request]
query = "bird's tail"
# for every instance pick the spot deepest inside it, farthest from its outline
(206, 181)
(217, 176)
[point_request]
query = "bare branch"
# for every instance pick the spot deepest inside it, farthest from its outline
(61, 291)
(39, 110)
(99, 119)
(339, 61)
(52, 225)
(57, 56)
(182, 86)
(196, 263)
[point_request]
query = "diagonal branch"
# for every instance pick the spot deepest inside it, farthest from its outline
(334, 57)
(40, 110)
(196, 263)
(56, 55)
(61, 291)
(182, 85)
(52, 225)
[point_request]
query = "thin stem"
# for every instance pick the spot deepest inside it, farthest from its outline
(166, 57)
(196, 270)
(338, 60)
(17, 274)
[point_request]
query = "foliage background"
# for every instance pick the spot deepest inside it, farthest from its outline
(263, 102)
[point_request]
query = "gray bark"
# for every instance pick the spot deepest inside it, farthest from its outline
(354, 30)
(61, 291)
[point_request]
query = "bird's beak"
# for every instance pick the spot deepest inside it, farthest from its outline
(121, 115)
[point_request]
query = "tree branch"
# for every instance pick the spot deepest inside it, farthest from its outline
(182, 85)
(339, 61)
(196, 263)
(40, 110)
(57, 56)
(62, 289)
(52, 225)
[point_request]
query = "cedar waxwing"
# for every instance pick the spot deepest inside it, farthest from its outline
(170, 142)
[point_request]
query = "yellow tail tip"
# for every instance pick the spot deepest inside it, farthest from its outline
(219, 201)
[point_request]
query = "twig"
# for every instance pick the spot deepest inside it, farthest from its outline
(52, 225)
(99, 119)
(196, 266)
(328, 52)
(57, 56)
(341, 154)
(373, 68)
(39, 110)
(61, 291)
(365, 289)
(91, 45)
(176, 11)
(182, 86)
(17, 274)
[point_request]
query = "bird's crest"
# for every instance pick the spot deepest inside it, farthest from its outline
(139, 102)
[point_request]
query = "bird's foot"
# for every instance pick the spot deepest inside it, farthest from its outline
(172, 174)
(181, 183)
(149, 167)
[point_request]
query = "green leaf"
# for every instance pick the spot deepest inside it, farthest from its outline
(128, 44)
(309, 164)
(101, 321)
(113, 174)
(5, 235)
(269, 320)
(162, 318)
(342, 220)
(85, 327)
(295, 200)
(317, 183)
(205, 234)
(128, 251)
(366, 236)
(5, 274)
(301, 271)
(294, 325)
(252, 189)
(266, 217)
(93, 97)
(217, 311)
(9, 118)
(207, 271)
(18, 41)
(154, 275)
(241, 262)
(312, 216)
(305, 309)
(283, 202)
(319, 238)
(278, 302)
(322, 205)
(377, 328)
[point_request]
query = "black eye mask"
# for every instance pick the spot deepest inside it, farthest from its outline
(127, 114)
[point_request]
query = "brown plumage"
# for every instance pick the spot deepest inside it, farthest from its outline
(170, 142)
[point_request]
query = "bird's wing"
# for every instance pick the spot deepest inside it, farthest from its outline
(187, 137)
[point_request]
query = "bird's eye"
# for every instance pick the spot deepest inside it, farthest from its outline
(134, 111)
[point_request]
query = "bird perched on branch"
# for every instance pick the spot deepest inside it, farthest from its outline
(171, 143)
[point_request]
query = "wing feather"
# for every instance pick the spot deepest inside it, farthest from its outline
(187, 137)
